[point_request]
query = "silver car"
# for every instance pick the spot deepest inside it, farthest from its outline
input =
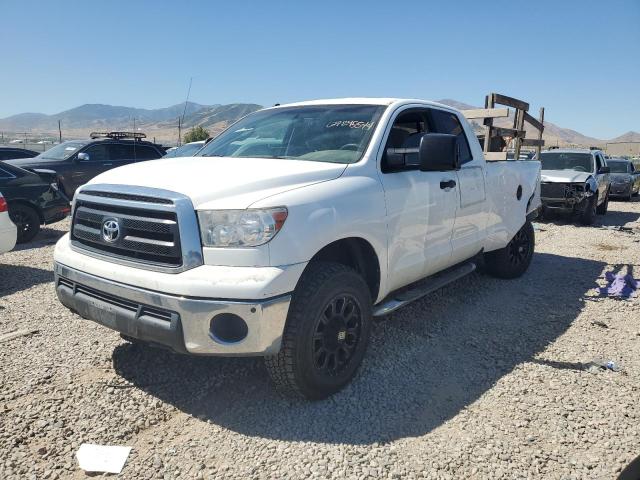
(625, 180)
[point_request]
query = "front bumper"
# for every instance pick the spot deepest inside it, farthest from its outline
(178, 322)
(620, 190)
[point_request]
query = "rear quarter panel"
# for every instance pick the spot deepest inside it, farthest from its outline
(506, 213)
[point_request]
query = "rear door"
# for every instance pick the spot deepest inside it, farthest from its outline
(470, 223)
(421, 206)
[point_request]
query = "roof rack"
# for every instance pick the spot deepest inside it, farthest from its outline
(134, 135)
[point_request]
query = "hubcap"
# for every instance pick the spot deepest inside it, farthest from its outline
(336, 335)
(519, 248)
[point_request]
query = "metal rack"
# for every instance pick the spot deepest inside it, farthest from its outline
(118, 135)
(495, 142)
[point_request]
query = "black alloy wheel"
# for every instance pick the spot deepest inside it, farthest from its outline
(520, 248)
(26, 220)
(337, 334)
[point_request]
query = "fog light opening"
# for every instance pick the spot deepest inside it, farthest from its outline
(228, 328)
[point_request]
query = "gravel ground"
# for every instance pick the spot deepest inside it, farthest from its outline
(485, 379)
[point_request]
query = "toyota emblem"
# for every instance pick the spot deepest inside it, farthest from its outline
(110, 230)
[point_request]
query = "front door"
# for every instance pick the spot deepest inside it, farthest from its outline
(421, 206)
(470, 223)
(98, 161)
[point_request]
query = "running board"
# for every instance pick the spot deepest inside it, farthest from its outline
(431, 284)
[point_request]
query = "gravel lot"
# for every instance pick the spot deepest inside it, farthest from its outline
(485, 379)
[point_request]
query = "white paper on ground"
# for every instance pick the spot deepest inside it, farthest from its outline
(102, 458)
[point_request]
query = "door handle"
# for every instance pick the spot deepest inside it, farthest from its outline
(107, 164)
(444, 184)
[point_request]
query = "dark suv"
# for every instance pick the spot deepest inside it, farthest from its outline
(78, 161)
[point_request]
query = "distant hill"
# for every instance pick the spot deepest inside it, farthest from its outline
(162, 123)
(95, 116)
(627, 137)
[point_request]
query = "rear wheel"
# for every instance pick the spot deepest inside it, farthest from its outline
(26, 220)
(326, 335)
(588, 215)
(514, 259)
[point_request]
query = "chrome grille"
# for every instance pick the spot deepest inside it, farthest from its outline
(559, 190)
(144, 235)
(147, 227)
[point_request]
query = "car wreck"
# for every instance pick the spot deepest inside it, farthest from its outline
(575, 182)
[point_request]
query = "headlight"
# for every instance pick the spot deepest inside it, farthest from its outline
(240, 228)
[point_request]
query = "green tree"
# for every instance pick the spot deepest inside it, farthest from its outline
(196, 134)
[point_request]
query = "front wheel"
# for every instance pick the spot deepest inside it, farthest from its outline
(326, 334)
(26, 220)
(588, 215)
(514, 259)
(604, 206)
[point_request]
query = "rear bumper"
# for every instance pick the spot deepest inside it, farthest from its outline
(180, 323)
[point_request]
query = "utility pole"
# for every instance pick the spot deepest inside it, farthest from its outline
(59, 132)
(179, 132)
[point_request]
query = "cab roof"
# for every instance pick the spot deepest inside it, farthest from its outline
(366, 101)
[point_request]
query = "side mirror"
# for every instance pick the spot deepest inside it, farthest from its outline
(83, 157)
(604, 170)
(438, 152)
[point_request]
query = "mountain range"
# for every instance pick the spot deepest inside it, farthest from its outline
(162, 123)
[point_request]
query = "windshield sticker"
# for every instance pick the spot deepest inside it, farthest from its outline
(351, 124)
(70, 149)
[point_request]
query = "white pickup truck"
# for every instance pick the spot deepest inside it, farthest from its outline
(288, 232)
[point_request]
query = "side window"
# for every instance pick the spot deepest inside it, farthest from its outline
(405, 133)
(598, 163)
(447, 122)
(98, 153)
(121, 152)
(145, 152)
(5, 174)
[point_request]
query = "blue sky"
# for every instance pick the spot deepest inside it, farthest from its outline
(579, 59)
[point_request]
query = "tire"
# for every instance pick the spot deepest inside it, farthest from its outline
(514, 259)
(26, 220)
(604, 206)
(326, 334)
(588, 216)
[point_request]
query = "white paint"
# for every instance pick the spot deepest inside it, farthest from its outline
(415, 227)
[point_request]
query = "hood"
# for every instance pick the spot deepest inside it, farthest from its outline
(621, 177)
(564, 176)
(222, 182)
(25, 162)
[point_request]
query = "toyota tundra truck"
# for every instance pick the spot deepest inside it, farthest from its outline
(285, 235)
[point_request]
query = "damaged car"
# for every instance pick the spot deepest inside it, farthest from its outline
(575, 181)
(625, 180)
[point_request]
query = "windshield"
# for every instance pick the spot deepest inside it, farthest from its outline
(581, 162)
(62, 151)
(185, 150)
(618, 167)
(323, 133)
